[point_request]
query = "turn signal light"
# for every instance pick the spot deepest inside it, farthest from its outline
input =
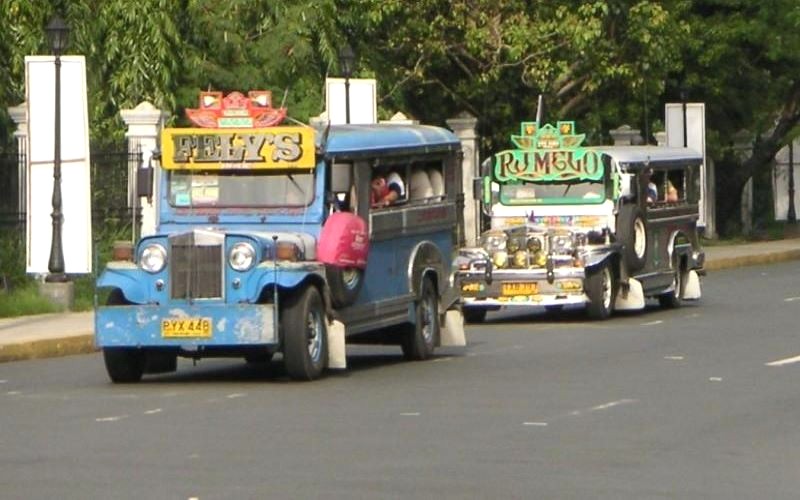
(122, 250)
(287, 251)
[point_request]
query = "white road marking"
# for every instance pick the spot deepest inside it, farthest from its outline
(612, 404)
(410, 414)
(13, 393)
(674, 358)
(235, 395)
(651, 323)
(110, 419)
(791, 299)
(715, 379)
(784, 362)
(535, 424)
(153, 412)
(3, 381)
(446, 358)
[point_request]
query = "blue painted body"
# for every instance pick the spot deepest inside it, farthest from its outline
(238, 318)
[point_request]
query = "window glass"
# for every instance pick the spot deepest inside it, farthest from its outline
(240, 189)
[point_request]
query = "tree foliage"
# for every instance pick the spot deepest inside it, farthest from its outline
(600, 62)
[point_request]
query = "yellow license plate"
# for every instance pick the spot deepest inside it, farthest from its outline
(513, 289)
(186, 327)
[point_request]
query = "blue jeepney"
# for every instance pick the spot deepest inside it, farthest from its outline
(266, 242)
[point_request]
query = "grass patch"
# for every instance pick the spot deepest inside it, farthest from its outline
(24, 301)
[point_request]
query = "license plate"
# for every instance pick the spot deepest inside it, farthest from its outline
(186, 327)
(513, 289)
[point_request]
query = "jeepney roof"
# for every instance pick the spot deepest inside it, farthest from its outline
(352, 141)
(649, 154)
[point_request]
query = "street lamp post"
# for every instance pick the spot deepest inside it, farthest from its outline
(684, 94)
(57, 33)
(346, 59)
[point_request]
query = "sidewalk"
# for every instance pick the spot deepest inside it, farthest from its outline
(50, 335)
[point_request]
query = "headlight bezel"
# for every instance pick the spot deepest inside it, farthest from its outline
(242, 256)
(153, 258)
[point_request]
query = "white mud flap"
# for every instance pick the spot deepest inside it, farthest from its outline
(452, 332)
(691, 288)
(631, 300)
(337, 356)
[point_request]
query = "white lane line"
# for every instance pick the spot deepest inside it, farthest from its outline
(535, 424)
(153, 412)
(784, 362)
(446, 358)
(410, 414)
(110, 419)
(651, 323)
(612, 404)
(791, 299)
(235, 395)
(674, 358)
(715, 379)
(13, 393)
(3, 381)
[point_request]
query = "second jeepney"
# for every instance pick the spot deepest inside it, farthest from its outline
(606, 227)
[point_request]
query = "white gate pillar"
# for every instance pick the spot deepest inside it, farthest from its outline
(144, 124)
(20, 116)
(463, 126)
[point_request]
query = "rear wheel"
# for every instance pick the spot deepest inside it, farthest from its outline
(672, 299)
(124, 365)
(601, 290)
(305, 341)
(419, 340)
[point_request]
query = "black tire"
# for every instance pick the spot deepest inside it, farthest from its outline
(474, 315)
(419, 340)
(601, 289)
(305, 339)
(672, 299)
(632, 232)
(345, 284)
(125, 365)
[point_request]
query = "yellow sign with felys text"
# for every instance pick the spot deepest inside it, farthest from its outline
(237, 148)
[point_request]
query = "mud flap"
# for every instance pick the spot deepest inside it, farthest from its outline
(691, 288)
(451, 333)
(630, 298)
(337, 356)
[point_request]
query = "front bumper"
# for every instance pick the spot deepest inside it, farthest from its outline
(143, 325)
(521, 287)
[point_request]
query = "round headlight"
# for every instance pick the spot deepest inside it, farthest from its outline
(534, 244)
(153, 258)
(512, 245)
(500, 259)
(242, 256)
(494, 241)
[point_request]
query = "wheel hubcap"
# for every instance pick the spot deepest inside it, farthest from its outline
(427, 319)
(639, 242)
(606, 288)
(314, 334)
(350, 278)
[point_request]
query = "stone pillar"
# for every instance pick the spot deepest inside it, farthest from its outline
(661, 138)
(144, 124)
(743, 147)
(626, 136)
(463, 126)
(20, 116)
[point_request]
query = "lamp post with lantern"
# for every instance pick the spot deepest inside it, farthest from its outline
(346, 59)
(57, 33)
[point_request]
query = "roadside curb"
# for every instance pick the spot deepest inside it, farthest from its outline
(752, 260)
(48, 348)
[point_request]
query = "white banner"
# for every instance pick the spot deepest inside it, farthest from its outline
(76, 231)
(363, 100)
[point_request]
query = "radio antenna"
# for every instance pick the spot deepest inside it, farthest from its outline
(540, 110)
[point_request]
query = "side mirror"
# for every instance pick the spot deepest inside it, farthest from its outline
(146, 174)
(627, 186)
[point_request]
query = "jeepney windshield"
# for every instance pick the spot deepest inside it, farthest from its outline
(221, 188)
(552, 193)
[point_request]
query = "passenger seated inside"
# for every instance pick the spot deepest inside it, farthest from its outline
(672, 192)
(386, 189)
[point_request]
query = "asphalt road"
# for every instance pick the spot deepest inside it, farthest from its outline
(697, 402)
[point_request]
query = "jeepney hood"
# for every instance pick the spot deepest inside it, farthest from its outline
(306, 242)
(589, 217)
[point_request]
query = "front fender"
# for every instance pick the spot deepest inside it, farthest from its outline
(128, 278)
(599, 256)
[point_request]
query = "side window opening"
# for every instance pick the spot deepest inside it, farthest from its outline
(388, 186)
(426, 182)
(676, 186)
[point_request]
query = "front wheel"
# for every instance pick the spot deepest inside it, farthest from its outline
(124, 365)
(305, 340)
(601, 291)
(474, 315)
(419, 340)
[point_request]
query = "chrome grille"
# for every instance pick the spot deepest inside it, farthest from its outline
(196, 267)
